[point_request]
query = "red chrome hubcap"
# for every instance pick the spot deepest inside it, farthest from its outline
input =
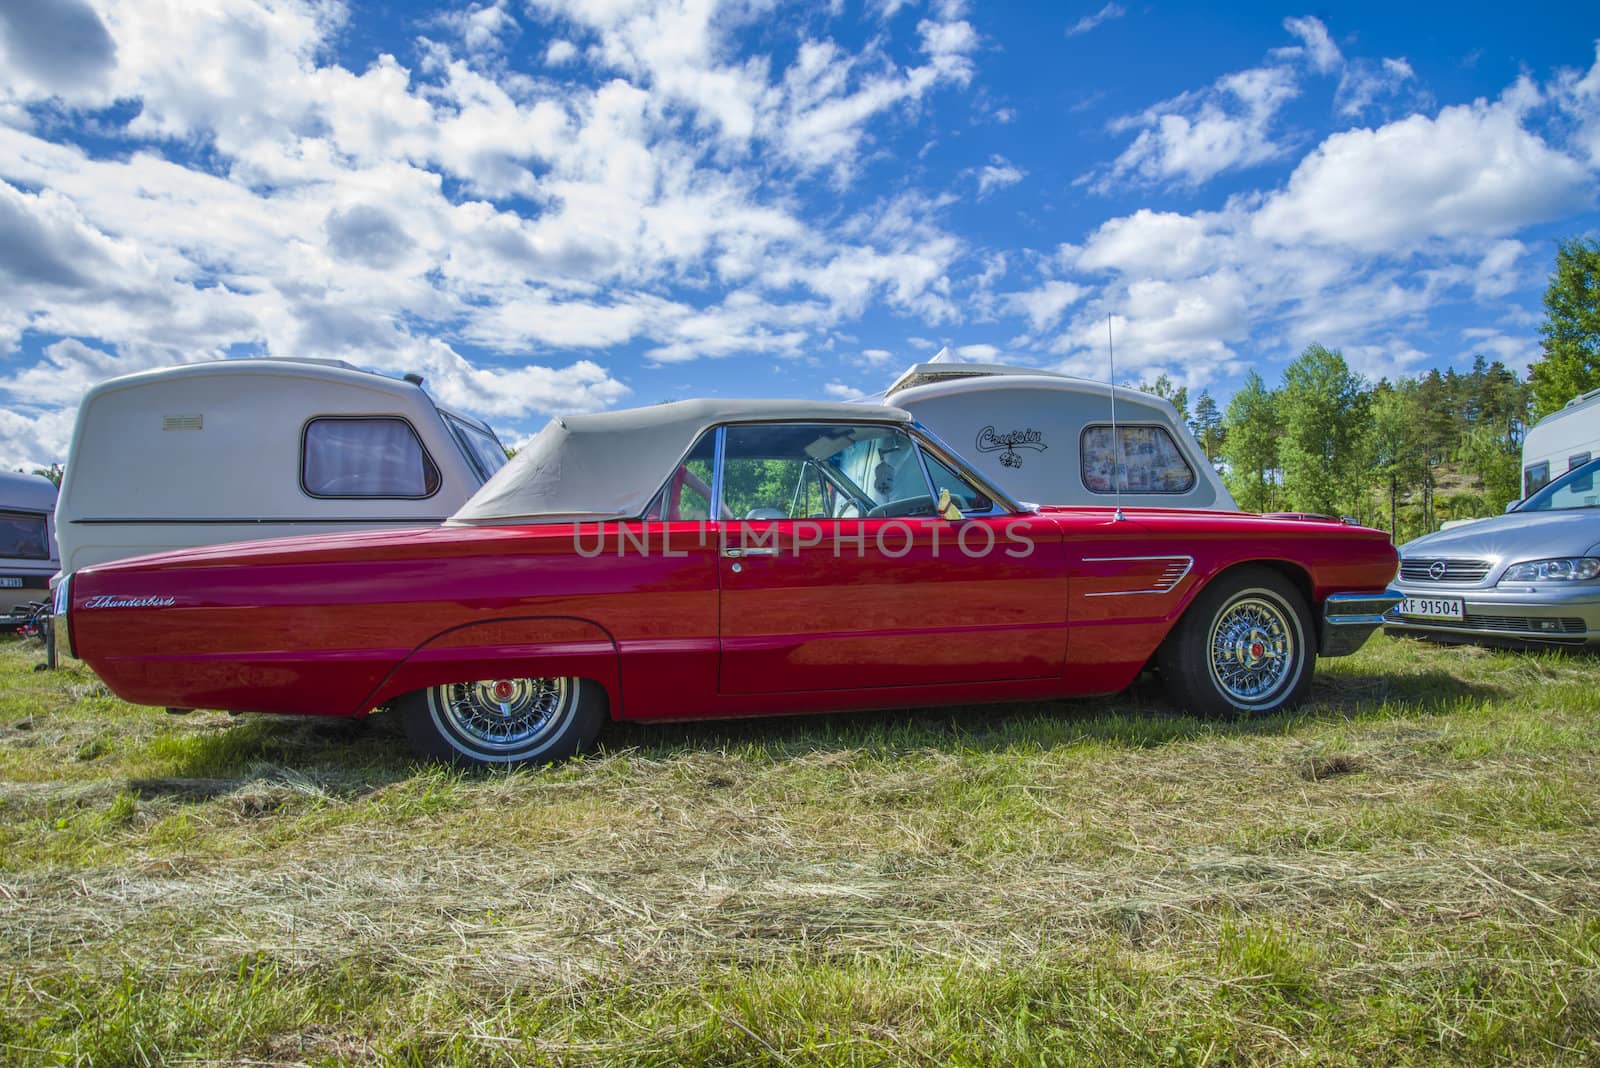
(504, 690)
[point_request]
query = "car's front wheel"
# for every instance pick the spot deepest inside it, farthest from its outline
(1244, 647)
(492, 722)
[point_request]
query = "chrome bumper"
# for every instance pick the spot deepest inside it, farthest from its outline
(1348, 620)
(58, 641)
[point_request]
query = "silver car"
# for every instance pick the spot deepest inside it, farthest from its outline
(1529, 576)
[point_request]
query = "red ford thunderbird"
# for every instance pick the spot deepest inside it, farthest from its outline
(730, 558)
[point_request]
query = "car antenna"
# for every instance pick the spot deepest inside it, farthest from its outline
(1116, 441)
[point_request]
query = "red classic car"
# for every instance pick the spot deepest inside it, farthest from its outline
(710, 558)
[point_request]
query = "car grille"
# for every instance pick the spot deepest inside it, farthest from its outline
(1525, 624)
(1454, 570)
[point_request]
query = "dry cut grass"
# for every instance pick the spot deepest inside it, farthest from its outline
(1404, 872)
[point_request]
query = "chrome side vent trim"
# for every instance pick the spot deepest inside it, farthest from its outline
(1173, 571)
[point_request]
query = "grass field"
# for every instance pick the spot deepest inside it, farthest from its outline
(1406, 871)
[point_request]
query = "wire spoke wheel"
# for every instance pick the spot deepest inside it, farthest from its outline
(504, 717)
(1245, 647)
(1252, 649)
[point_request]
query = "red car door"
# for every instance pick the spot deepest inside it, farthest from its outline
(846, 603)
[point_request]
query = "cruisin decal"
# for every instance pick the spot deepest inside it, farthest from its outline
(1007, 444)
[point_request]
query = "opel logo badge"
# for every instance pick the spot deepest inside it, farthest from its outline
(1437, 570)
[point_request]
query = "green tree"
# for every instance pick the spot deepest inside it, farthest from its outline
(1497, 465)
(1325, 411)
(1250, 445)
(53, 473)
(1398, 458)
(1495, 421)
(1177, 396)
(1571, 330)
(1207, 427)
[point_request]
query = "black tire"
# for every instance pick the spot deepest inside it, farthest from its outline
(502, 722)
(1245, 647)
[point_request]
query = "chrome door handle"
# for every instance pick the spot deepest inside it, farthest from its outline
(735, 554)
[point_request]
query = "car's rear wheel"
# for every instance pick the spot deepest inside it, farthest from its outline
(490, 722)
(1242, 649)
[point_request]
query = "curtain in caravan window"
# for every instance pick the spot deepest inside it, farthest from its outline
(366, 458)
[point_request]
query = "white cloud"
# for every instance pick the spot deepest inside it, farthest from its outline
(482, 27)
(559, 53)
(1472, 171)
(839, 391)
(1045, 305)
(1578, 97)
(1320, 50)
(1089, 22)
(1498, 271)
(1163, 244)
(998, 173)
(977, 353)
(1363, 82)
(1195, 137)
(57, 47)
(1516, 351)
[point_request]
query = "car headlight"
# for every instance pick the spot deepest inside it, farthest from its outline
(1561, 569)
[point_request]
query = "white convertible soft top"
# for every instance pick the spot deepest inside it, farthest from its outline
(610, 465)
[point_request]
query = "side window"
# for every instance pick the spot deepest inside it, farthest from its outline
(1575, 462)
(1535, 477)
(365, 457)
(1151, 461)
(483, 451)
(687, 494)
(811, 470)
(24, 535)
(964, 494)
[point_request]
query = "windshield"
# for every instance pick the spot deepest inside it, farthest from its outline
(483, 449)
(1575, 489)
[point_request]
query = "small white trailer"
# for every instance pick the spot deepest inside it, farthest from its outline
(237, 450)
(27, 542)
(1561, 441)
(1046, 438)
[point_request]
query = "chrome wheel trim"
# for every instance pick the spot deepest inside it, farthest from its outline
(503, 719)
(1254, 648)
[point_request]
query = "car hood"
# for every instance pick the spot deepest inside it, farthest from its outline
(1523, 535)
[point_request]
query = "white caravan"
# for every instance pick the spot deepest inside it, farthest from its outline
(27, 540)
(1561, 441)
(1046, 437)
(236, 450)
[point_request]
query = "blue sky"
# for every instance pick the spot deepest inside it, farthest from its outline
(561, 205)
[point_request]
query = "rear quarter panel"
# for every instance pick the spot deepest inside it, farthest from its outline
(334, 626)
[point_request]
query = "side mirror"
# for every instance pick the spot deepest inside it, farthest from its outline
(946, 507)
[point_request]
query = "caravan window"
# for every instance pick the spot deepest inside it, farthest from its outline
(24, 536)
(1535, 477)
(365, 457)
(1151, 461)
